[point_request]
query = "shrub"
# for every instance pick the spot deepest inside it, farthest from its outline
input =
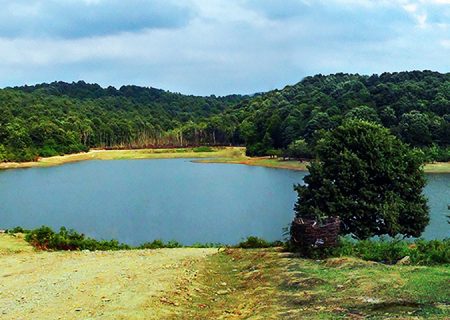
(207, 245)
(203, 149)
(423, 252)
(17, 230)
(45, 238)
(254, 242)
(158, 244)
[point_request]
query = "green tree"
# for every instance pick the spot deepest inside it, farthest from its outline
(299, 149)
(368, 178)
(414, 128)
(363, 113)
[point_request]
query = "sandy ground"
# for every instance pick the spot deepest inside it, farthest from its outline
(134, 284)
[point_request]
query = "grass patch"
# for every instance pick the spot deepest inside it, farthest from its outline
(420, 252)
(268, 284)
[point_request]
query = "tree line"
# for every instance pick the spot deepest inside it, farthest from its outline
(60, 118)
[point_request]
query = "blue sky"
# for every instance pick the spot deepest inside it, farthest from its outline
(217, 46)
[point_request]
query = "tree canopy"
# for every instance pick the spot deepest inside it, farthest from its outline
(367, 177)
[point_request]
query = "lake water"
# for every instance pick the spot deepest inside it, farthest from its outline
(141, 200)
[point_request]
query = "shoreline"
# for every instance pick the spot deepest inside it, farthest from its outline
(221, 155)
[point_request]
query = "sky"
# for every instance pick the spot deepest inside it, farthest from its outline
(219, 47)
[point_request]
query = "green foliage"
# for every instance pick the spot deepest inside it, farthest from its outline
(368, 178)
(422, 252)
(202, 149)
(413, 105)
(59, 118)
(207, 245)
(363, 113)
(45, 238)
(299, 149)
(253, 242)
(273, 153)
(158, 244)
(17, 229)
(436, 153)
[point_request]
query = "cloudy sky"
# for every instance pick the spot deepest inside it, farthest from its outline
(217, 46)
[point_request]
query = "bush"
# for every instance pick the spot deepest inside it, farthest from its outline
(207, 245)
(45, 238)
(423, 252)
(203, 149)
(17, 230)
(254, 242)
(158, 244)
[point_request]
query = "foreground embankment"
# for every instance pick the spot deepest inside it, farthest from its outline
(229, 155)
(192, 283)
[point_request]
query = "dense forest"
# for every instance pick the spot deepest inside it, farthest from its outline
(59, 118)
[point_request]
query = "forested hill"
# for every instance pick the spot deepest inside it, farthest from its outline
(414, 105)
(57, 118)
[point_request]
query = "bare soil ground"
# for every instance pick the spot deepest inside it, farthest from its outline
(137, 284)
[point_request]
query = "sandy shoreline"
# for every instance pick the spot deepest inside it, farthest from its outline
(228, 155)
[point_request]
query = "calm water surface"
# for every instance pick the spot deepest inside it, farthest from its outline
(140, 200)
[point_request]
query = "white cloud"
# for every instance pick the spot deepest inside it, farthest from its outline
(241, 46)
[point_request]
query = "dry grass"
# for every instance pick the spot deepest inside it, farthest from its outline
(437, 167)
(228, 152)
(10, 244)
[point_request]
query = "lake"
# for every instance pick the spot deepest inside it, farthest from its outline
(136, 201)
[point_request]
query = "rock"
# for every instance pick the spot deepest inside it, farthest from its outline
(371, 300)
(223, 283)
(222, 292)
(404, 261)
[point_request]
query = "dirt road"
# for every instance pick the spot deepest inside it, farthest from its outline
(134, 284)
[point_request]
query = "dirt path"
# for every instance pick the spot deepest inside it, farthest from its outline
(134, 284)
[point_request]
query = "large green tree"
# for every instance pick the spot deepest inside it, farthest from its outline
(368, 178)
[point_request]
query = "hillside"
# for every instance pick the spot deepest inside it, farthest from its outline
(60, 118)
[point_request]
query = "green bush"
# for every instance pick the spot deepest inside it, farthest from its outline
(17, 230)
(207, 245)
(45, 238)
(423, 252)
(203, 149)
(158, 244)
(254, 242)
